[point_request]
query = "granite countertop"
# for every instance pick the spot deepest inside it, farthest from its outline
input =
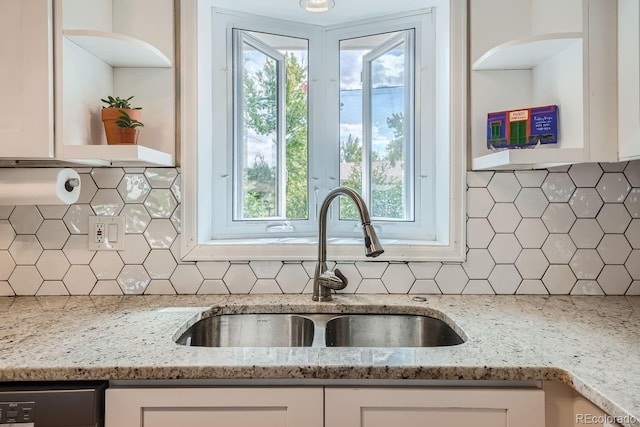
(590, 343)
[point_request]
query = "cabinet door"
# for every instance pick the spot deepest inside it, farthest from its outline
(214, 407)
(413, 407)
(26, 79)
(628, 79)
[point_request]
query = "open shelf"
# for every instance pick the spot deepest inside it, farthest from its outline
(532, 158)
(119, 50)
(114, 155)
(527, 53)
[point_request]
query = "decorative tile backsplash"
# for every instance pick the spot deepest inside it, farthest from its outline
(565, 230)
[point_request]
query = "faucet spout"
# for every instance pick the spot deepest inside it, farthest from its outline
(325, 280)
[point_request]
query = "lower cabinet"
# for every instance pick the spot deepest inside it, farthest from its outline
(219, 407)
(324, 406)
(450, 407)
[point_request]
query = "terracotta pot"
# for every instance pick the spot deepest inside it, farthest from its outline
(109, 117)
(128, 135)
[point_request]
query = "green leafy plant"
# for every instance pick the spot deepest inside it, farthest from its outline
(125, 121)
(118, 102)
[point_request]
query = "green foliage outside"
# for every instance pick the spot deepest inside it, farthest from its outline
(260, 112)
(260, 179)
(387, 191)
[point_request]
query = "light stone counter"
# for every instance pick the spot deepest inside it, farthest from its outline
(589, 343)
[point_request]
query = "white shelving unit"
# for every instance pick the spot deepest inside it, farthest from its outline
(526, 53)
(536, 53)
(114, 47)
(118, 50)
(116, 155)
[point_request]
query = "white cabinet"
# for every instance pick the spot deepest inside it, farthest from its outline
(94, 48)
(451, 407)
(119, 48)
(629, 79)
(530, 53)
(222, 407)
(328, 407)
(26, 79)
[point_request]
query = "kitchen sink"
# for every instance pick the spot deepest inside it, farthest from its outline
(320, 330)
(380, 330)
(250, 330)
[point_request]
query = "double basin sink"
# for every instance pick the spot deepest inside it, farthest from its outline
(320, 330)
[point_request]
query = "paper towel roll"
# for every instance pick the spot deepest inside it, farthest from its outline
(38, 186)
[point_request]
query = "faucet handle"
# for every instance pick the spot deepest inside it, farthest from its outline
(333, 280)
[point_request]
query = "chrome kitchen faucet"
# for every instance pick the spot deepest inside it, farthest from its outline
(324, 280)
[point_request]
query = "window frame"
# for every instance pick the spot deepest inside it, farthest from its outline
(197, 109)
(412, 57)
(408, 123)
(240, 37)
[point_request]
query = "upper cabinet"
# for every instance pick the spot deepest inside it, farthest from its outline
(94, 48)
(629, 79)
(26, 80)
(531, 53)
(120, 48)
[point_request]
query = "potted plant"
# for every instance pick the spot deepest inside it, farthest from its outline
(128, 128)
(111, 112)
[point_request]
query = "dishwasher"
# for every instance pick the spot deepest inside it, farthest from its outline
(52, 404)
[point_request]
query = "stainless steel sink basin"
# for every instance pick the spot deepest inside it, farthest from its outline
(250, 330)
(377, 330)
(319, 330)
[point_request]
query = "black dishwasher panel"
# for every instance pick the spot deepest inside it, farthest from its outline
(52, 404)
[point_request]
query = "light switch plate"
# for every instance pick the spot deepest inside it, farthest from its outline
(106, 233)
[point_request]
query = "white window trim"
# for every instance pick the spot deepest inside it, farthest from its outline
(195, 79)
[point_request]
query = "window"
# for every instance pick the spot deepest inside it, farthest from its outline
(290, 110)
(495, 130)
(376, 124)
(270, 78)
(519, 132)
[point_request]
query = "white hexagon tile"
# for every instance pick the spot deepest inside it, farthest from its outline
(266, 286)
(504, 187)
(567, 230)
(479, 233)
(531, 233)
(533, 178)
(558, 187)
(585, 174)
(107, 177)
(52, 265)
(26, 219)
(292, 278)
(134, 188)
(212, 287)
(558, 218)
(25, 249)
(7, 234)
(7, 264)
(160, 264)
(586, 233)
(398, 278)
(133, 280)
(478, 287)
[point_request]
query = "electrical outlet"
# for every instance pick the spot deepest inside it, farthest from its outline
(107, 233)
(98, 233)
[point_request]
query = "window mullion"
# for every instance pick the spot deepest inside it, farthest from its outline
(238, 111)
(367, 127)
(282, 132)
(409, 126)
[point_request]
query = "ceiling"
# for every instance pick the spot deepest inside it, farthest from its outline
(344, 11)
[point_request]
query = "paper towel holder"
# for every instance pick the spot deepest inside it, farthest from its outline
(71, 183)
